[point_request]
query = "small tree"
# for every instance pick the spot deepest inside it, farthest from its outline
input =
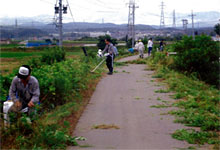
(217, 29)
(101, 44)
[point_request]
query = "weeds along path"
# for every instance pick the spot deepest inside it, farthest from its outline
(122, 115)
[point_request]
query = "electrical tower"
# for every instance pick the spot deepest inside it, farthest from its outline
(162, 21)
(16, 23)
(61, 9)
(193, 32)
(174, 19)
(131, 20)
(185, 22)
(16, 28)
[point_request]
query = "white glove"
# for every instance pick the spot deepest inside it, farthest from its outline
(100, 54)
(106, 54)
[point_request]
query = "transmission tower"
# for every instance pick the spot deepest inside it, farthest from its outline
(16, 23)
(185, 22)
(193, 32)
(131, 20)
(162, 22)
(174, 19)
(60, 9)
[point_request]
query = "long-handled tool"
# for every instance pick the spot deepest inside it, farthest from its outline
(98, 65)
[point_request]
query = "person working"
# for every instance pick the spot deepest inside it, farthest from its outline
(24, 91)
(141, 49)
(150, 46)
(109, 49)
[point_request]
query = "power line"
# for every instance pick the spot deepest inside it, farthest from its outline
(47, 2)
(70, 10)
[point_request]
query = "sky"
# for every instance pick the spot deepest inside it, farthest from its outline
(113, 11)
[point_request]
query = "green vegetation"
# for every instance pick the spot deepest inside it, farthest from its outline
(62, 83)
(199, 56)
(198, 102)
(18, 54)
(217, 28)
(194, 137)
(10, 45)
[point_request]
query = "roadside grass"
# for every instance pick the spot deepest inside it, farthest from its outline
(19, 54)
(199, 106)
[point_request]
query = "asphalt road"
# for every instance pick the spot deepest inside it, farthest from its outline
(125, 100)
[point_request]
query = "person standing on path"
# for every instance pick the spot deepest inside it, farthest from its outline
(141, 49)
(161, 45)
(109, 49)
(150, 46)
(24, 91)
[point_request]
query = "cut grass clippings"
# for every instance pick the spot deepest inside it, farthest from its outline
(104, 126)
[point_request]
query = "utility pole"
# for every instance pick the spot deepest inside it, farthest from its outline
(162, 21)
(60, 10)
(131, 20)
(193, 32)
(174, 19)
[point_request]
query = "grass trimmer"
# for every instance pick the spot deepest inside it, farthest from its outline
(97, 66)
(100, 55)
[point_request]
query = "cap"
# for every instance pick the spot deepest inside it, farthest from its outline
(23, 72)
(139, 40)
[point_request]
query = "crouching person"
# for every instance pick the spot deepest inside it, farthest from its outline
(24, 91)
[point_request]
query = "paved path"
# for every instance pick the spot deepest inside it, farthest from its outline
(125, 100)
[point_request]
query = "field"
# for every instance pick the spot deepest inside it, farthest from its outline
(12, 58)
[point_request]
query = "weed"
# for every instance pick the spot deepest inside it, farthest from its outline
(138, 98)
(162, 91)
(194, 137)
(160, 106)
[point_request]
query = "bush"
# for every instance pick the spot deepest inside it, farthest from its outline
(199, 56)
(52, 55)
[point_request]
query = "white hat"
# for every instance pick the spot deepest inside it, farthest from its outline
(23, 72)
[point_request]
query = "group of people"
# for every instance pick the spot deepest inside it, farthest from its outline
(139, 46)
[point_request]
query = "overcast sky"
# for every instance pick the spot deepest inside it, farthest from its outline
(114, 11)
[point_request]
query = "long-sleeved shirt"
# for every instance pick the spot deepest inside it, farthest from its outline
(30, 92)
(141, 46)
(109, 49)
(150, 43)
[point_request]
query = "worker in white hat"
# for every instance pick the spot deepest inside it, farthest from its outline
(141, 48)
(24, 90)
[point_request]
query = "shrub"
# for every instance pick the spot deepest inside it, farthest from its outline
(199, 56)
(52, 55)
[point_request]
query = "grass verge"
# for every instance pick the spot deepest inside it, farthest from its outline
(198, 103)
